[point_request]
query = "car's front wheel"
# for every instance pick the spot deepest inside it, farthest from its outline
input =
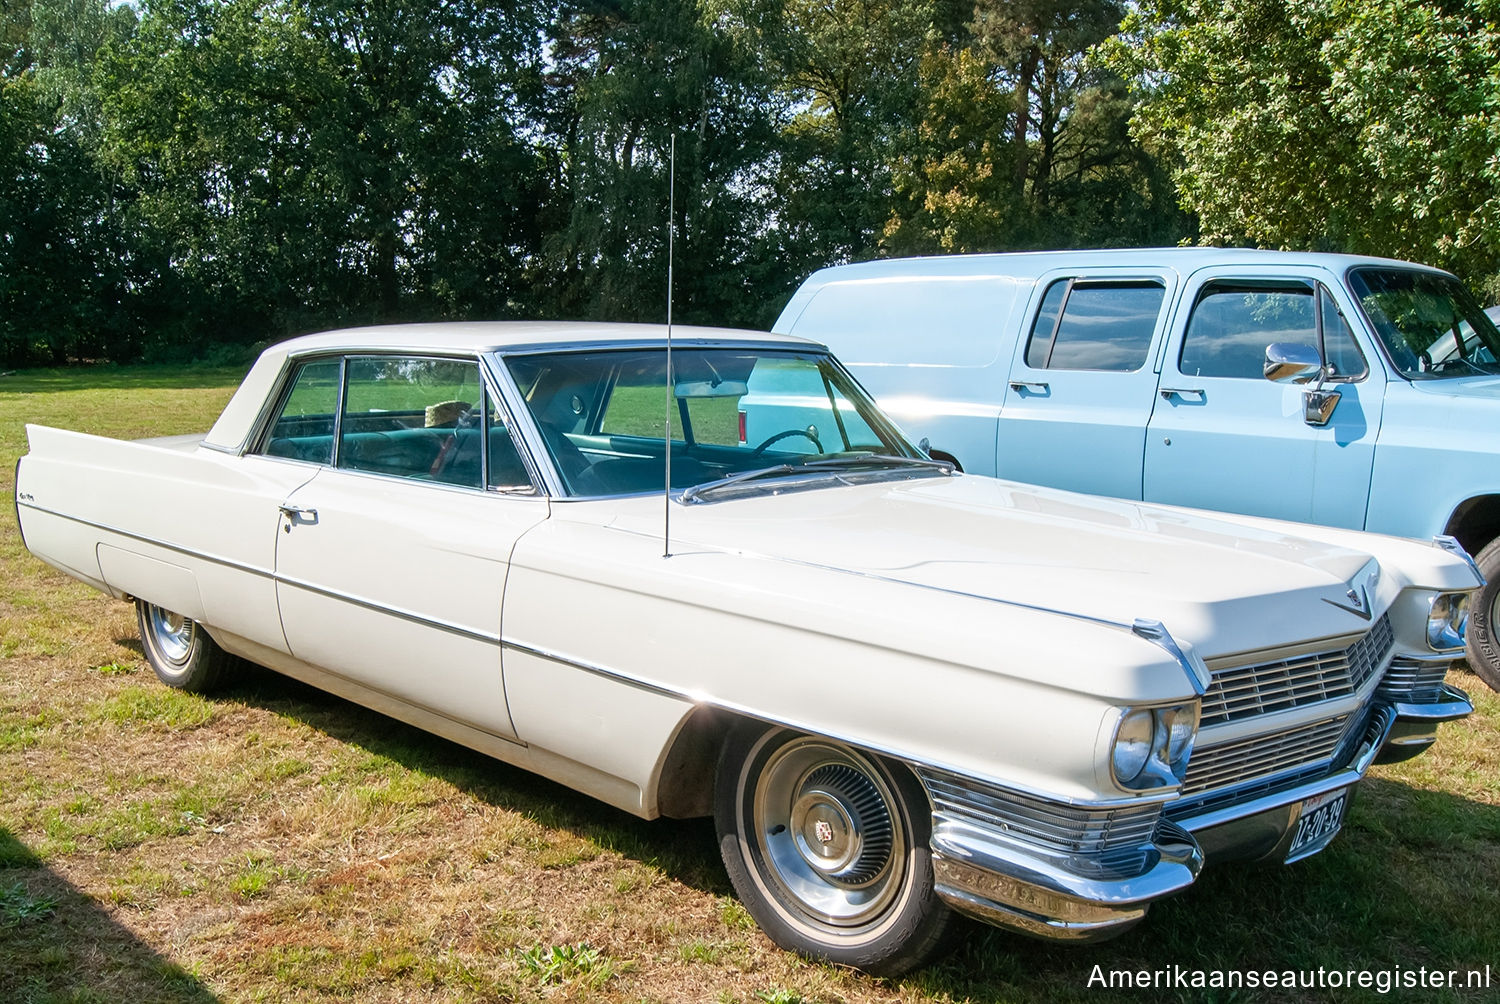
(180, 652)
(1484, 618)
(827, 847)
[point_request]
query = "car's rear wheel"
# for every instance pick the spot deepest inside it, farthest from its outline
(180, 652)
(827, 847)
(1484, 618)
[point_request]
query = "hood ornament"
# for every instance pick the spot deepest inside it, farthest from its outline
(1358, 593)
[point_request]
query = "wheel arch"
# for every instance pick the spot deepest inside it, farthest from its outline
(1475, 522)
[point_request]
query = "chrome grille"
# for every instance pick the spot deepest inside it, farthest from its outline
(1419, 681)
(1242, 691)
(1263, 756)
(1115, 838)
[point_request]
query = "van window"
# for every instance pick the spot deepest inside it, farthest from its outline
(1234, 322)
(1093, 325)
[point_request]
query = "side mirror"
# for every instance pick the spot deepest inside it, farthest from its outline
(1291, 362)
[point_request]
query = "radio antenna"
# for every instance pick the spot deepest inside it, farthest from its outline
(666, 495)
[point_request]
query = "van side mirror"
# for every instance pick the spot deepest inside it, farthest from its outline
(1291, 362)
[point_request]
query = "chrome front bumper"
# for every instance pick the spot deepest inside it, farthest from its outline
(994, 879)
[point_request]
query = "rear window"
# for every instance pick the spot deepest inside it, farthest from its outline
(1093, 325)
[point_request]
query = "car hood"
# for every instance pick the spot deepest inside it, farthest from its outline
(1224, 588)
(1460, 387)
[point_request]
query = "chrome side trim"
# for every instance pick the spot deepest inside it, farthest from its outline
(407, 615)
(217, 559)
(220, 448)
(895, 753)
(266, 573)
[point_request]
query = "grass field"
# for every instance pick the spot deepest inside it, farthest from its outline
(278, 844)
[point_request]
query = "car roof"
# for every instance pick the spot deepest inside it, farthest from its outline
(236, 423)
(1034, 264)
(483, 336)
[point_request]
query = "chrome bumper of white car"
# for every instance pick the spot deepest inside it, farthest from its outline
(996, 879)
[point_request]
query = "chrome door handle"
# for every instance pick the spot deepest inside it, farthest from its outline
(298, 511)
(1167, 393)
(1019, 385)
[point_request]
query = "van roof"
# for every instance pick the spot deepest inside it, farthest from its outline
(1033, 264)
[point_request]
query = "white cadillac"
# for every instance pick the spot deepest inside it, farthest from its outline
(901, 691)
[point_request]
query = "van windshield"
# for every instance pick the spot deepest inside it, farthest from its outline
(1432, 328)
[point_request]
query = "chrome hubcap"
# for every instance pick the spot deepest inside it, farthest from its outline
(832, 845)
(172, 634)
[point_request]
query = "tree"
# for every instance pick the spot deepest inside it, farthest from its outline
(306, 163)
(1023, 141)
(1359, 125)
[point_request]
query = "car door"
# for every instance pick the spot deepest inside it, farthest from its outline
(1079, 394)
(1222, 436)
(391, 562)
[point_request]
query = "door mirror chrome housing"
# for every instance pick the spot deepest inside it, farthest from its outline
(1292, 362)
(1318, 405)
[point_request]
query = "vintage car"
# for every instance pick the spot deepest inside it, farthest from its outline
(902, 692)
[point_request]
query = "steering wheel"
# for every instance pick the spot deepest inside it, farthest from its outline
(805, 433)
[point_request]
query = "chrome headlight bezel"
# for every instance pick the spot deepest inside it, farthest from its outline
(1137, 763)
(1448, 621)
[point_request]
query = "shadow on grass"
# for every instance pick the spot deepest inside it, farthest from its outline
(56, 944)
(1413, 881)
(684, 850)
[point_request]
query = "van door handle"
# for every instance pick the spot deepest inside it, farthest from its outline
(1168, 393)
(1031, 385)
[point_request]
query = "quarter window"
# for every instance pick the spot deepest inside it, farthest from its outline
(1093, 325)
(1234, 322)
(303, 430)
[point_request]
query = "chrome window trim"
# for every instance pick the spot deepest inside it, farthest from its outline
(554, 484)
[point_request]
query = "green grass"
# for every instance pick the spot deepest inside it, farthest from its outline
(279, 844)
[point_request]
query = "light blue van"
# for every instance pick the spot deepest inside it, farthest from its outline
(1348, 391)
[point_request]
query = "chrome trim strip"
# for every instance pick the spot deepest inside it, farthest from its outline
(786, 343)
(359, 601)
(240, 566)
(706, 700)
(404, 614)
(218, 448)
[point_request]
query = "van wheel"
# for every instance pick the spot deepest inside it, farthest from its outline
(828, 849)
(180, 652)
(1484, 617)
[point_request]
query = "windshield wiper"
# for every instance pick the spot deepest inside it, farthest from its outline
(877, 460)
(689, 494)
(825, 465)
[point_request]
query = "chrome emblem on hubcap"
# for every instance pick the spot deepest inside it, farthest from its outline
(823, 830)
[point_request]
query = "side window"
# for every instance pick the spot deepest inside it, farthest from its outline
(1095, 325)
(413, 418)
(1233, 323)
(303, 429)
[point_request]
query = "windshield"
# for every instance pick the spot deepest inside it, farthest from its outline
(736, 413)
(1431, 326)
